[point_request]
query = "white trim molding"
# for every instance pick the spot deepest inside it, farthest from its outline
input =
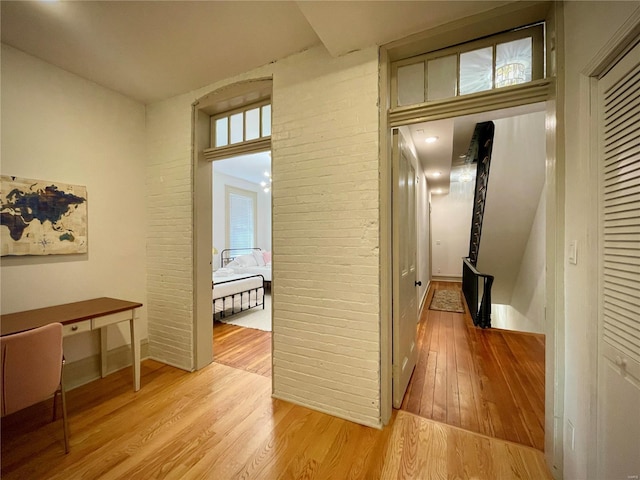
(532, 92)
(617, 47)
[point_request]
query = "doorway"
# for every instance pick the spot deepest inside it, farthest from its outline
(242, 273)
(512, 243)
(448, 342)
(210, 115)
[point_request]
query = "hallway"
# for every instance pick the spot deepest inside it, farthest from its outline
(486, 381)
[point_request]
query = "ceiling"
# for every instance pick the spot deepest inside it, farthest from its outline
(251, 167)
(444, 159)
(152, 50)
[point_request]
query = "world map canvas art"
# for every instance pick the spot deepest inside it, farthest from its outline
(42, 218)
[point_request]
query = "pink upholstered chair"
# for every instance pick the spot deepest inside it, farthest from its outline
(32, 363)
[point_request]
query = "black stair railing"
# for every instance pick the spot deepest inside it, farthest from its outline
(476, 286)
(480, 152)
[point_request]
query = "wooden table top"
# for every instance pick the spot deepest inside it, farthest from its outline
(65, 314)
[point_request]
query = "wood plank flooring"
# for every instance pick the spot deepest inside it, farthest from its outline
(243, 348)
(221, 423)
(487, 381)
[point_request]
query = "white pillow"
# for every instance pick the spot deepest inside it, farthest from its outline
(223, 272)
(257, 254)
(247, 260)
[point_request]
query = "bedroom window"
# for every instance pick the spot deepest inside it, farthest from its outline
(241, 216)
(498, 61)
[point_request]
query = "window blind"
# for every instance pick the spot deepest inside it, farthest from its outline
(242, 219)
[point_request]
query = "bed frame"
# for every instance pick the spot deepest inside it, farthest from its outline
(229, 254)
(231, 299)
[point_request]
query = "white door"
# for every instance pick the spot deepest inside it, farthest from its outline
(405, 311)
(618, 440)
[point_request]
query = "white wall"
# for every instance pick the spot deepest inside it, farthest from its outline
(170, 234)
(326, 345)
(423, 257)
(59, 127)
(525, 312)
(450, 229)
(263, 213)
(588, 27)
(424, 239)
(516, 179)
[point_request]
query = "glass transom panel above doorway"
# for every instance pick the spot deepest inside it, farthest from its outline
(502, 60)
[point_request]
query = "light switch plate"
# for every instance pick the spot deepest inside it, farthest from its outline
(573, 252)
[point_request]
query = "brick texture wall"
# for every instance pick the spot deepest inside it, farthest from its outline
(170, 232)
(326, 348)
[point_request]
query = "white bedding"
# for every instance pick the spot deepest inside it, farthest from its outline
(264, 271)
(230, 285)
(253, 263)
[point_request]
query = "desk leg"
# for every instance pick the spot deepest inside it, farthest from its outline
(103, 352)
(135, 352)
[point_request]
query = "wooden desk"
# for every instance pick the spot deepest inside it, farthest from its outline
(78, 317)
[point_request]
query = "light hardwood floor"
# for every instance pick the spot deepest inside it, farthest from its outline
(221, 423)
(244, 348)
(487, 381)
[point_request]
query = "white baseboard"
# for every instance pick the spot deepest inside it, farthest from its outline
(444, 278)
(287, 398)
(88, 369)
(171, 364)
(424, 299)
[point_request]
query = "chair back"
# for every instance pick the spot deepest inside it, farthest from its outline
(31, 367)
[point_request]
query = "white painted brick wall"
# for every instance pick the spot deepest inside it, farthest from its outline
(170, 232)
(326, 347)
(325, 167)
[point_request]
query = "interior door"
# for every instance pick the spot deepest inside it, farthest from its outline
(405, 311)
(618, 439)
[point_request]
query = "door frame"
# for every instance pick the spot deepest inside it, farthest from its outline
(554, 181)
(613, 51)
(202, 182)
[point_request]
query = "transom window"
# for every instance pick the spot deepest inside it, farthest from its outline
(250, 123)
(499, 61)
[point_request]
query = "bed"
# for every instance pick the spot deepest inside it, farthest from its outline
(248, 261)
(236, 292)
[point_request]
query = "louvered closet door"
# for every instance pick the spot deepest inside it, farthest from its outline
(619, 302)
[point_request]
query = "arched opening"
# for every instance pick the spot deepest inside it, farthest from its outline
(225, 99)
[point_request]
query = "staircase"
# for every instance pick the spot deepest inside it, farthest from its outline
(480, 152)
(476, 286)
